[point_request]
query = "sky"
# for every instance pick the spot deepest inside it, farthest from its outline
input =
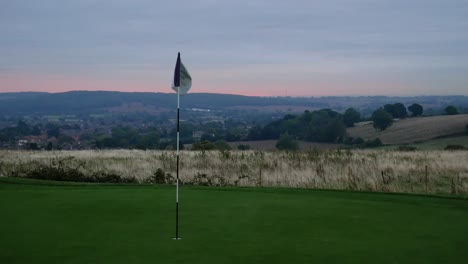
(249, 47)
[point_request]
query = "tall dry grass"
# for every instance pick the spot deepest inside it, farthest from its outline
(369, 170)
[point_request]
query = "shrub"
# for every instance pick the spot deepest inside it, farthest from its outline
(451, 110)
(286, 143)
(105, 177)
(454, 147)
(406, 148)
(205, 180)
(203, 145)
(58, 170)
(358, 141)
(160, 177)
(372, 143)
(247, 147)
(222, 145)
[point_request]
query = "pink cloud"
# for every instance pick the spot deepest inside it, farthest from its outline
(21, 82)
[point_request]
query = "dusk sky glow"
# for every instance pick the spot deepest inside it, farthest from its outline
(267, 48)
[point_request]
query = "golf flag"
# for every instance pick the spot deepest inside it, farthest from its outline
(181, 84)
(182, 78)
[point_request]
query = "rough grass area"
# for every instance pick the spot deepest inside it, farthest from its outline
(412, 130)
(363, 170)
(42, 223)
(441, 143)
(270, 145)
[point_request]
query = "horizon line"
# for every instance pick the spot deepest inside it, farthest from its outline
(276, 96)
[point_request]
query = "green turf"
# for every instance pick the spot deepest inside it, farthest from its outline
(42, 223)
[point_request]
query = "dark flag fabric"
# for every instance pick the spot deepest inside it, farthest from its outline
(182, 78)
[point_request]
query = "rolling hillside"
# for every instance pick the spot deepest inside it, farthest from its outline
(412, 130)
(94, 102)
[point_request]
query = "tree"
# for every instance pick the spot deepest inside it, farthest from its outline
(334, 131)
(381, 119)
(53, 130)
(36, 130)
(351, 116)
(415, 109)
(148, 141)
(400, 110)
(32, 146)
(49, 146)
(390, 108)
(255, 133)
(397, 110)
(23, 128)
(286, 143)
(451, 110)
(222, 145)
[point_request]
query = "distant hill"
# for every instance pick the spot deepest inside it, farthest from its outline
(92, 102)
(412, 130)
(100, 101)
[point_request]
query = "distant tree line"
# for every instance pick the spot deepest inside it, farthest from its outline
(383, 117)
(128, 137)
(323, 125)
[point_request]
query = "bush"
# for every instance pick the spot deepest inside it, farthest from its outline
(286, 143)
(57, 170)
(406, 148)
(222, 145)
(451, 110)
(353, 141)
(205, 180)
(247, 147)
(358, 141)
(160, 177)
(203, 145)
(372, 143)
(454, 147)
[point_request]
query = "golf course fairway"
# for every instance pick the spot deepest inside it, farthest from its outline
(46, 222)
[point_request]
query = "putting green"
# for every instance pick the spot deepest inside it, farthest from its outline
(78, 223)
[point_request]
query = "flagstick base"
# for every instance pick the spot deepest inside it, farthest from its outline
(176, 238)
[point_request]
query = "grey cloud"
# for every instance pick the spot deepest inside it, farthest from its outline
(111, 36)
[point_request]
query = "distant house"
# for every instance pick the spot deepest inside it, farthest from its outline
(35, 139)
(22, 142)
